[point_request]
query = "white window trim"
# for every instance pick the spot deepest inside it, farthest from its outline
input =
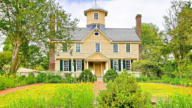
(117, 65)
(126, 48)
(68, 65)
(76, 46)
(99, 48)
(117, 47)
(94, 15)
(76, 65)
(130, 65)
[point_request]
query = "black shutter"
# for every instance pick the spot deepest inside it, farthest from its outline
(123, 64)
(61, 65)
(131, 61)
(119, 65)
(74, 65)
(69, 65)
(111, 64)
(82, 65)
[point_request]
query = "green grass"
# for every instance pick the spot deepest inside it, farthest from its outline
(157, 90)
(51, 95)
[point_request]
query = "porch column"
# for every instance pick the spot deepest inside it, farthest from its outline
(87, 65)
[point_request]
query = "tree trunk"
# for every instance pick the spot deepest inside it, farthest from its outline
(13, 67)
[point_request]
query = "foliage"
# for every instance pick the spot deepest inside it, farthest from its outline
(146, 66)
(31, 79)
(51, 95)
(86, 76)
(177, 34)
(111, 74)
(175, 101)
(123, 92)
(41, 77)
(169, 67)
(67, 75)
(32, 22)
(152, 43)
(5, 58)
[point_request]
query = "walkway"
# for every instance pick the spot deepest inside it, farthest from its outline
(10, 90)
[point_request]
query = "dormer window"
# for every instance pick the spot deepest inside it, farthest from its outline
(96, 16)
(96, 33)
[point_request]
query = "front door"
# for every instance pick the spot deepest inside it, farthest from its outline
(98, 69)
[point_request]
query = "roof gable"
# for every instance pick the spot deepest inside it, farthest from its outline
(97, 56)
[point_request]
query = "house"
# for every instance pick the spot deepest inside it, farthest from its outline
(98, 48)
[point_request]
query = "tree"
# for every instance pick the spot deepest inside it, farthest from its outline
(152, 43)
(5, 58)
(28, 22)
(177, 33)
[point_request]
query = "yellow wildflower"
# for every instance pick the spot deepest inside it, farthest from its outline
(70, 100)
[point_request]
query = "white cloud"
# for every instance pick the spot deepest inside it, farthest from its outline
(122, 13)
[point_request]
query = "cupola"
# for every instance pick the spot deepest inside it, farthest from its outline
(95, 17)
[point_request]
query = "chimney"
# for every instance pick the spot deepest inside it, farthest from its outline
(138, 31)
(51, 50)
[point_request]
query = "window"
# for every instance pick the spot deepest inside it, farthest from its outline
(66, 65)
(115, 65)
(96, 16)
(127, 64)
(64, 47)
(96, 33)
(79, 65)
(97, 49)
(78, 47)
(128, 48)
(115, 47)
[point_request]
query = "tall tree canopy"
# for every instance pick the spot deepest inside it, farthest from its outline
(152, 43)
(27, 22)
(178, 29)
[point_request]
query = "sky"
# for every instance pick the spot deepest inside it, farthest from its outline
(121, 13)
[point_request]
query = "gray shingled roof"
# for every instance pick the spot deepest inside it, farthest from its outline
(115, 34)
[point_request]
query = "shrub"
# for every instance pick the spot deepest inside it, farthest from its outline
(67, 75)
(41, 77)
(31, 79)
(95, 77)
(70, 79)
(166, 79)
(111, 74)
(123, 92)
(86, 76)
(175, 102)
(53, 80)
(146, 66)
(50, 76)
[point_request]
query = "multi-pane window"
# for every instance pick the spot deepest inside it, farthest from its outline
(79, 65)
(66, 65)
(64, 47)
(115, 47)
(97, 47)
(96, 16)
(127, 64)
(115, 65)
(78, 47)
(128, 49)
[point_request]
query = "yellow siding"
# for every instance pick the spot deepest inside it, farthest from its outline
(91, 20)
(88, 48)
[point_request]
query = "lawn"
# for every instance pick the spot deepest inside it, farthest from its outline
(157, 90)
(52, 95)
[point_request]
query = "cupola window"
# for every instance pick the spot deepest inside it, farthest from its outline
(96, 33)
(96, 16)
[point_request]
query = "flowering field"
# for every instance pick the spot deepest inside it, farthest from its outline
(157, 90)
(52, 95)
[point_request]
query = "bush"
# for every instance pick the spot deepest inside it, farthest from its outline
(86, 76)
(166, 79)
(146, 66)
(41, 77)
(53, 80)
(67, 75)
(95, 77)
(111, 74)
(31, 79)
(123, 92)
